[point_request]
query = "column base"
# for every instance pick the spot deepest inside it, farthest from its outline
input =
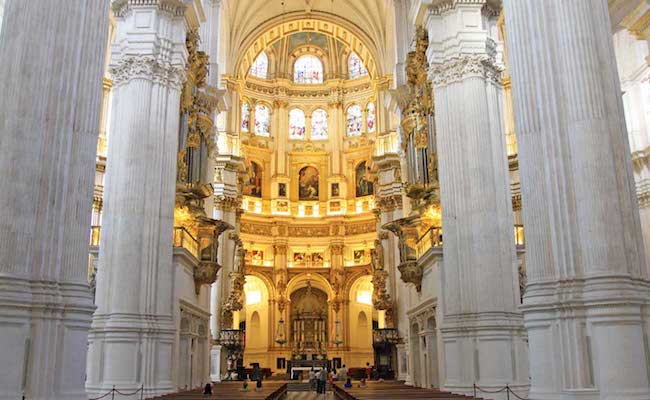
(43, 333)
(486, 349)
(215, 363)
(129, 352)
(603, 322)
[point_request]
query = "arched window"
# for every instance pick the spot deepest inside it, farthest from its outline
(354, 120)
(356, 67)
(262, 121)
(319, 124)
(308, 69)
(371, 117)
(260, 67)
(296, 124)
(245, 117)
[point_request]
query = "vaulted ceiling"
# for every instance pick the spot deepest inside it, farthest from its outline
(373, 19)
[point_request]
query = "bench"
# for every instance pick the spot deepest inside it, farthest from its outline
(232, 391)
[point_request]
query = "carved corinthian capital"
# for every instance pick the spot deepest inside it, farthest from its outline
(463, 67)
(149, 68)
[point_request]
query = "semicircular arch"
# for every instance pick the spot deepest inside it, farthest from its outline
(282, 26)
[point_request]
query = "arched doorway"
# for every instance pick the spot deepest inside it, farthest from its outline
(256, 322)
(308, 324)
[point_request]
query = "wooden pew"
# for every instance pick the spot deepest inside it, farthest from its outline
(232, 391)
(390, 391)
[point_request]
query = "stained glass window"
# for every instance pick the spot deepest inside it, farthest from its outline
(371, 117)
(262, 121)
(245, 117)
(319, 124)
(296, 124)
(260, 66)
(356, 67)
(308, 69)
(354, 120)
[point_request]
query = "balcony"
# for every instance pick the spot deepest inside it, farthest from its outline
(432, 238)
(385, 336)
(184, 239)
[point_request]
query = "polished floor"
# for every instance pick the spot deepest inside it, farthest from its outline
(309, 396)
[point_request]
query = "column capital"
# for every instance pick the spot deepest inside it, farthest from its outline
(465, 66)
(149, 68)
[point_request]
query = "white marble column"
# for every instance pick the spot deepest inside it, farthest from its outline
(482, 328)
(586, 300)
(52, 56)
(132, 337)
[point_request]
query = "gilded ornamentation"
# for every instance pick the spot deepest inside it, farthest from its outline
(197, 104)
(419, 102)
(411, 272)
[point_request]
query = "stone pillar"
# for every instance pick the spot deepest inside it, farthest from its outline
(53, 56)
(586, 300)
(132, 337)
(281, 133)
(482, 328)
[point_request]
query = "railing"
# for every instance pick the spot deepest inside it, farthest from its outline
(385, 335)
(182, 238)
(431, 238)
(232, 338)
(95, 233)
(506, 389)
(113, 391)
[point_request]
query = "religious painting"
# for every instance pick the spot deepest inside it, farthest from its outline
(253, 181)
(308, 183)
(362, 175)
(336, 192)
(299, 258)
(257, 256)
(317, 258)
(335, 206)
(359, 256)
(309, 210)
(282, 189)
(282, 206)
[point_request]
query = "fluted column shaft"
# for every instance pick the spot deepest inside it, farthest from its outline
(482, 329)
(50, 80)
(131, 341)
(587, 293)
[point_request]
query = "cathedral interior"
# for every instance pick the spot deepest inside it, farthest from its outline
(194, 191)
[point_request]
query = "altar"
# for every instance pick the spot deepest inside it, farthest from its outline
(304, 371)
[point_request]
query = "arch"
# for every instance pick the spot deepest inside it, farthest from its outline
(362, 320)
(308, 68)
(270, 287)
(360, 283)
(316, 280)
(255, 321)
(327, 24)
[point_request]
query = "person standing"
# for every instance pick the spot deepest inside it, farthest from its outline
(368, 371)
(322, 381)
(312, 379)
(343, 373)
